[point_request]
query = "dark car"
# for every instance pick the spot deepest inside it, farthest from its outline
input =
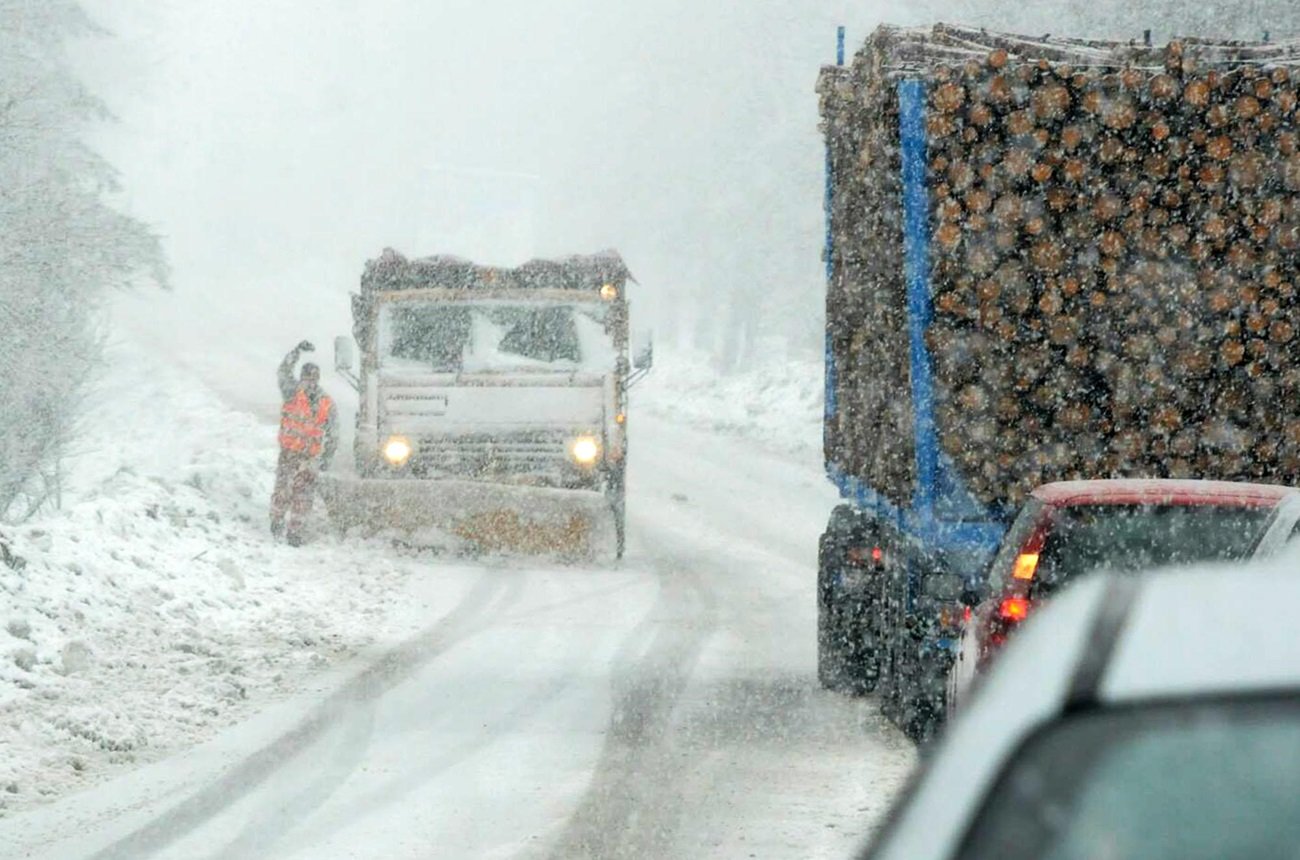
(1071, 528)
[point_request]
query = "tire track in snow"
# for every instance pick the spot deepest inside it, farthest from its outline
(631, 805)
(273, 821)
(278, 820)
(697, 762)
(361, 690)
(440, 759)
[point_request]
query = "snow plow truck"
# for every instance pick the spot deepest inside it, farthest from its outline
(1047, 259)
(492, 405)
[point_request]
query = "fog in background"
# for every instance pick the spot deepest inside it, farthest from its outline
(278, 144)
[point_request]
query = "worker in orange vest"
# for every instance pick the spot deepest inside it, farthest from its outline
(308, 437)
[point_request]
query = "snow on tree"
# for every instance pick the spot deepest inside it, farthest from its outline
(61, 245)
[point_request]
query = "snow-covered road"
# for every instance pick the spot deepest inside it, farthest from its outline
(667, 708)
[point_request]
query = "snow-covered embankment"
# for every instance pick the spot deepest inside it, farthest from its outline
(153, 609)
(776, 401)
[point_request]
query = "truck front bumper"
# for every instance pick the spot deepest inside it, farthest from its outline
(472, 516)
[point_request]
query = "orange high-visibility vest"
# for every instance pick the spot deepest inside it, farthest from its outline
(300, 429)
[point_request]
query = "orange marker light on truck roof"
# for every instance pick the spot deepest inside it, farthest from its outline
(1025, 567)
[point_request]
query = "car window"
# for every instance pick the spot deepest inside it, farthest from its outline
(1138, 537)
(1190, 782)
(1026, 521)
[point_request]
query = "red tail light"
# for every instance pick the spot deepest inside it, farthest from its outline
(874, 556)
(1014, 609)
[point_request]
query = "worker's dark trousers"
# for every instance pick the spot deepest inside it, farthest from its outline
(295, 489)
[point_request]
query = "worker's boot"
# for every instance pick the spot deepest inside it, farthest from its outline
(277, 530)
(295, 539)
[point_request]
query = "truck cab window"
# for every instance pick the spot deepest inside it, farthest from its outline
(492, 337)
(430, 335)
(544, 334)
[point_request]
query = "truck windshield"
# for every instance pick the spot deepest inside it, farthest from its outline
(493, 337)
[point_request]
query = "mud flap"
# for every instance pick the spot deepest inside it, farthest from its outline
(472, 517)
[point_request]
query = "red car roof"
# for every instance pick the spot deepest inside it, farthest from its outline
(1150, 491)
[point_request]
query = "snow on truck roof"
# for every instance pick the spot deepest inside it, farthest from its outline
(1156, 491)
(910, 48)
(392, 271)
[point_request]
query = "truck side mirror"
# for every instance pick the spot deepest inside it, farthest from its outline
(343, 361)
(343, 354)
(643, 355)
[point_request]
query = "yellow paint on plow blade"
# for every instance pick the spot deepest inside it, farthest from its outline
(508, 532)
(474, 517)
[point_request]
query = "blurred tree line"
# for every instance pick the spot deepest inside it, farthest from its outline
(61, 246)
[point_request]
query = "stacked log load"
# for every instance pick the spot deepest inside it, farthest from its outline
(1115, 251)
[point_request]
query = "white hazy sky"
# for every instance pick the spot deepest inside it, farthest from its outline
(277, 144)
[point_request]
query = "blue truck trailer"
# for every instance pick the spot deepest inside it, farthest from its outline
(1046, 259)
(890, 570)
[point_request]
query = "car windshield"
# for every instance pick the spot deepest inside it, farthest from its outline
(494, 337)
(1190, 782)
(1083, 538)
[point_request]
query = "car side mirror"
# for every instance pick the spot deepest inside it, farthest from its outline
(343, 357)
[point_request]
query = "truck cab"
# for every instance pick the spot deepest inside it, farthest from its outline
(505, 384)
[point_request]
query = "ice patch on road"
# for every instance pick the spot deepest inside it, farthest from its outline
(153, 609)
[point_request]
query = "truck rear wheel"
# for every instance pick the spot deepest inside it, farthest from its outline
(868, 660)
(831, 672)
(830, 639)
(845, 661)
(847, 654)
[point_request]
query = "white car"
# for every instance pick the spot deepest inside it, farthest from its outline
(1136, 717)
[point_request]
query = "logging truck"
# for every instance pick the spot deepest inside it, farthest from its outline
(492, 404)
(1047, 259)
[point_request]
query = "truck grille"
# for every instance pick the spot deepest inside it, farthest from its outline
(535, 458)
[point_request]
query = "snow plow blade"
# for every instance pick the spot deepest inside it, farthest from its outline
(473, 517)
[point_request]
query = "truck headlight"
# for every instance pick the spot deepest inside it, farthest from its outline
(585, 450)
(397, 450)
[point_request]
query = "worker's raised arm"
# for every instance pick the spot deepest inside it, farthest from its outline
(285, 376)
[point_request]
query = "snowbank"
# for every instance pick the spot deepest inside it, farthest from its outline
(776, 402)
(153, 609)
